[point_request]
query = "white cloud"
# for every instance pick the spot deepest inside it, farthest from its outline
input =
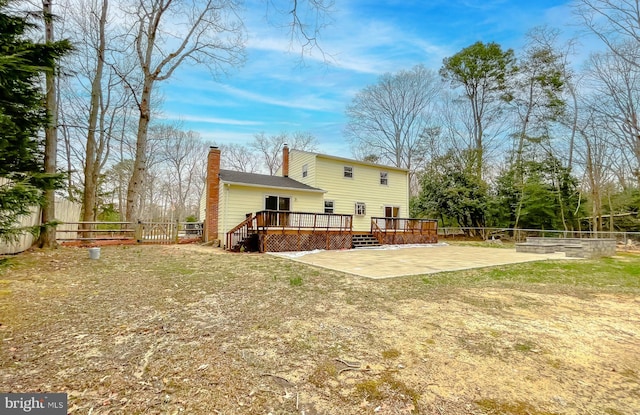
(354, 42)
(225, 137)
(209, 120)
(306, 102)
(280, 90)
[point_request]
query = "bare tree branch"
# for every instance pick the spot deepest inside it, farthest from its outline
(213, 36)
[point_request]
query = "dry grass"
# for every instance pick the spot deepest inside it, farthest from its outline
(187, 329)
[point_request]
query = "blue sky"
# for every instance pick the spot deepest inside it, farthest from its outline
(274, 93)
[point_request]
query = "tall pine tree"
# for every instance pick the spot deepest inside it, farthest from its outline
(23, 116)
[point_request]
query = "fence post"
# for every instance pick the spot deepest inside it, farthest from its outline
(138, 232)
(175, 232)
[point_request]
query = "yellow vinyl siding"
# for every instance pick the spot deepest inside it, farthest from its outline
(364, 187)
(238, 200)
(297, 159)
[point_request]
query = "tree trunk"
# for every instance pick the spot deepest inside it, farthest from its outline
(92, 165)
(574, 125)
(596, 209)
(47, 238)
(140, 163)
(561, 204)
(611, 225)
(519, 162)
(525, 125)
(478, 137)
(519, 209)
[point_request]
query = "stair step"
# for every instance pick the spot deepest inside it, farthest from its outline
(364, 240)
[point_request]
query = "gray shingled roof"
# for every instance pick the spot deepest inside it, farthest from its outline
(253, 179)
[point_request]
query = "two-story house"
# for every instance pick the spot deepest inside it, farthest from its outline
(316, 201)
(364, 190)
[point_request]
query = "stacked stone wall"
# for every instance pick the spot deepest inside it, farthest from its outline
(572, 247)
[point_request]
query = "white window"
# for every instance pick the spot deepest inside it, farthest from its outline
(384, 178)
(361, 208)
(305, 170)
(328, 206)
(348, 171)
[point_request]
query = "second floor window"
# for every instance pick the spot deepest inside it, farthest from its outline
(305, 170)
(384, 178)
(348, 171)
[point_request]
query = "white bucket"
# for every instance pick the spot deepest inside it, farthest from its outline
(94, 253)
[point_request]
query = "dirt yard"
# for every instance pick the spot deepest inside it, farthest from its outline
(189, 329)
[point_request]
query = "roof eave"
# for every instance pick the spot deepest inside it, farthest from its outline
(273, 187)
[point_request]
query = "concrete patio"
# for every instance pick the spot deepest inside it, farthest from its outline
(398, 261)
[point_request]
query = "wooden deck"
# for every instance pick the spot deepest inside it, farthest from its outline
(277, 231)
(390, 231)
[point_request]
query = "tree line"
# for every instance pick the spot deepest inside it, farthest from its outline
(492, 137)
(97, 139)
(523, 140)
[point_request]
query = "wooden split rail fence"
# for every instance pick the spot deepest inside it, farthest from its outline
(142, 232)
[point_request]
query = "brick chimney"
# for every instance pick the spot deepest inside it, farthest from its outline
(213, 195)
(285, 161)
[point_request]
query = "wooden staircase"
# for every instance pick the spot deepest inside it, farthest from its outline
(365, 240)
(243, 237)
(250, 243)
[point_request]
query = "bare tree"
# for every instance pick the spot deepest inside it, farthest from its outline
(548, 38)
(618, 84)
(240, 158)
(116, 178)
(205, 32)
(392, 118)
(270, 147)
(182, 153)
(616, 23)
(595, 154)
(96, 109)
(457, 124)
(538, 102)
(304, 20)
(92, 160)
(151, 193)
(538, 95)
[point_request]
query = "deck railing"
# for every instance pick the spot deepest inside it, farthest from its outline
(403, 225)
(241, 231)
(377, 232)
(271, 221)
